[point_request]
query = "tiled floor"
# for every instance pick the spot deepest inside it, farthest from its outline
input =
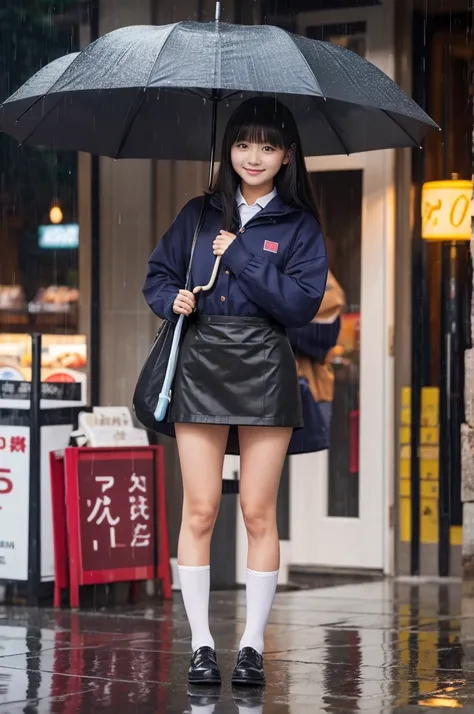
(372, 647)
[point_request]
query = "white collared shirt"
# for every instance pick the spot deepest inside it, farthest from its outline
(247, 212)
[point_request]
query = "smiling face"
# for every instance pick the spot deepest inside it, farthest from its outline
(261, 150)
(257, 163)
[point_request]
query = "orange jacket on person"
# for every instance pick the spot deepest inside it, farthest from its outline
(313, 359)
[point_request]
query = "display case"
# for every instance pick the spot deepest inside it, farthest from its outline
(53, 310)
(63, 359)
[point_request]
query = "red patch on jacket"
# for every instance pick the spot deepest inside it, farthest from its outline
(270, 246)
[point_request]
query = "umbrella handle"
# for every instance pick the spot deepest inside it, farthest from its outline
(164, 397)
(213, 277)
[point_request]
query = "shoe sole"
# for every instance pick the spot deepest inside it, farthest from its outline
(249, 682)
(205, 682)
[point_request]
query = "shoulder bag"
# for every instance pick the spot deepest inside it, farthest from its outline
(152, 395)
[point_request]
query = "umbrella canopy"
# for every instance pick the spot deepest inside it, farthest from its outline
(149, 91)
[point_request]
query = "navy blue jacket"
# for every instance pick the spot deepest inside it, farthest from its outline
(315, 340)
(276, 267)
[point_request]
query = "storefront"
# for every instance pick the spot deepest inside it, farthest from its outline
(82, 274)
(429, 458)
(366, 506)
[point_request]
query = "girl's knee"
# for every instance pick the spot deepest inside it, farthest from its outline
(199, 518)
(259, 519)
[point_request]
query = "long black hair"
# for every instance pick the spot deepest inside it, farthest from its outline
(265, 120)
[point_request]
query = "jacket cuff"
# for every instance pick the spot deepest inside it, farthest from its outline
(237, 257)
(168, 313)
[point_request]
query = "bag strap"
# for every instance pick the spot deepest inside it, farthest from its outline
(197, 231)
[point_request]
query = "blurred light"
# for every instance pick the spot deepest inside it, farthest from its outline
(55, 215)
(442, 701)
(59, 236)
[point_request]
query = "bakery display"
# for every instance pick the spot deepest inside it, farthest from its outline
(55, 298)
(63, 358)
(12, 297)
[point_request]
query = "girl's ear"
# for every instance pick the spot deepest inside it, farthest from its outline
(289, 155)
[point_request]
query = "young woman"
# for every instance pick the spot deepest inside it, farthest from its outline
(236, 369)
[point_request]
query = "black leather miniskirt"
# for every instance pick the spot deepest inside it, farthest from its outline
(236, 371)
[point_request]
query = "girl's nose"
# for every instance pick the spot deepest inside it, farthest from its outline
(254, 158)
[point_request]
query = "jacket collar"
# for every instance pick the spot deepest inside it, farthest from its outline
(276, 208)
(261, 202)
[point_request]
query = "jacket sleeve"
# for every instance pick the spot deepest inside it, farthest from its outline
(167, 266)
(314, 340)
(292, 296)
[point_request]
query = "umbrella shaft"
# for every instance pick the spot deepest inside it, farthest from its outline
(218, 11)
(212, 157)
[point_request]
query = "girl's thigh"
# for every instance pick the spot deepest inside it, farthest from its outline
(262, 455)
(201, 449)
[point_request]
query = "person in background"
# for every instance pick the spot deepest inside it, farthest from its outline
(315, 347)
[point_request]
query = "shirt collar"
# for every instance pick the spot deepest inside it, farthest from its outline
(263, 201)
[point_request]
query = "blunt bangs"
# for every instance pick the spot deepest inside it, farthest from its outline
(259, 133)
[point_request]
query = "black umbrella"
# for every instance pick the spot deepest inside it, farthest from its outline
(152, 91)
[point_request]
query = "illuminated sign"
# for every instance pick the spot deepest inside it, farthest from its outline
(65, 235)
(446, 214)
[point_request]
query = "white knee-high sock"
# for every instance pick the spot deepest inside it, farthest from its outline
(261, 588)
(195, 586)
(251, 709)
(204, 709)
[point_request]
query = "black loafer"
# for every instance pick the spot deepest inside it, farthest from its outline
(203, 668)
(248, 672)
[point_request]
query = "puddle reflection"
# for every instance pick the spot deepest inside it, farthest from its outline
(376, 646)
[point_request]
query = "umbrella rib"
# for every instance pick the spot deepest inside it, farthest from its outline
(173, 28)
(331, 126)
(30, 106)
(45, 115)
(129, 123)
(288, 35)
(43, 96)
(384, 111)
(417, 143)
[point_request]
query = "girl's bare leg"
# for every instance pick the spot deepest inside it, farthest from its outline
(263, 451)
(201, 450)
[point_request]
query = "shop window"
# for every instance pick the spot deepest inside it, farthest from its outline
(39, 231)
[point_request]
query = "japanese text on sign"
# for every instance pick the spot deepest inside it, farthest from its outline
(445, 210)
(14, 502)
(13, 444)
(116, 510)
(139, 509)
(101, 511)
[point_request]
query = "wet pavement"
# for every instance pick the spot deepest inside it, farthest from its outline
(372, 647)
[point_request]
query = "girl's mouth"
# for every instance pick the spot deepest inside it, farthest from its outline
(254, 172)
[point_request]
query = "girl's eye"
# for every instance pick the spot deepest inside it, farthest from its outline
(242, 146)
(269, 149)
